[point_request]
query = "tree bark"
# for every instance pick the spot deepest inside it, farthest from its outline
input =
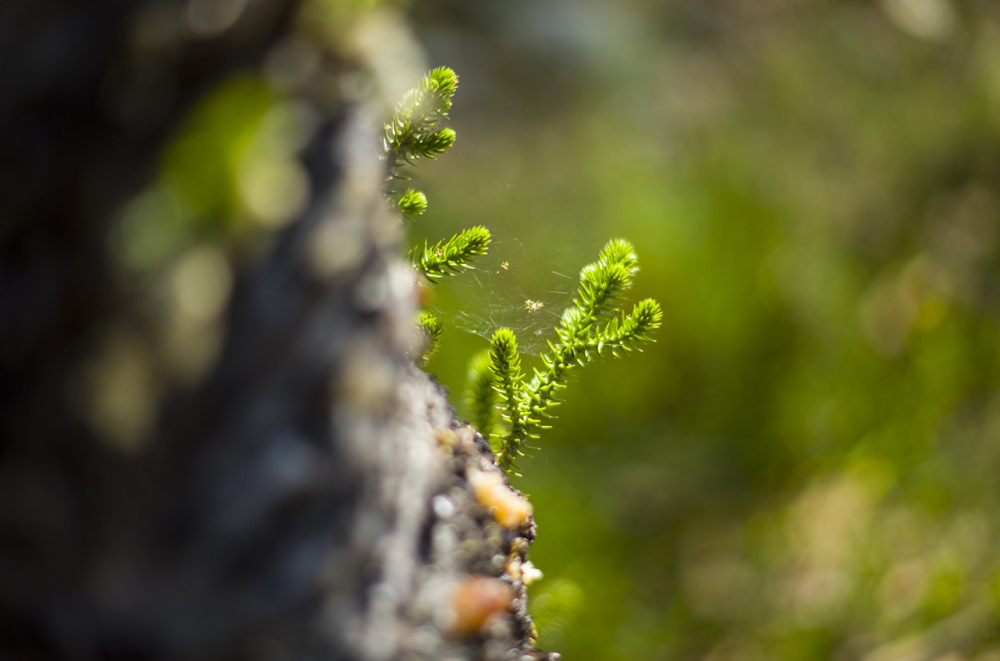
(312, 495)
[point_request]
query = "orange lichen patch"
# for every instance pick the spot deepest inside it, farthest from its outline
(513, 568)
(446, 438)
(456, 441)
(475, 602)
(510, 509)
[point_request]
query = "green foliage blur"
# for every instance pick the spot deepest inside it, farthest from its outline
(803, 465)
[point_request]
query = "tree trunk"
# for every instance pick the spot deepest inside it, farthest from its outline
(311, 494)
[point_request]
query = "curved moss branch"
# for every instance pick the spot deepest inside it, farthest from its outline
(451, 256)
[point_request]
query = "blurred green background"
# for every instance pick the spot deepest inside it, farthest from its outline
(803, 466)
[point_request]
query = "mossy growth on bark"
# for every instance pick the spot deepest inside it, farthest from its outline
(509, 409)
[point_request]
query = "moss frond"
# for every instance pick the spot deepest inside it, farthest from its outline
(505, 361)
(413, 131)
(432, 328)
(481, 396)
(451, 256)
(411, 202)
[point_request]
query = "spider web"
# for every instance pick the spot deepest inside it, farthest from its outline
(515, 285)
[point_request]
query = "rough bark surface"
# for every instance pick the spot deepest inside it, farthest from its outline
(312, 495)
